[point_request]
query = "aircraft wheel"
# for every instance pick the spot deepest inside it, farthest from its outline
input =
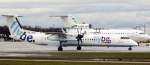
(60, 48)
(130, 48)
(78, 47)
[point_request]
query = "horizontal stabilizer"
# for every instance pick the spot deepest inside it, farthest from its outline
(11, 15)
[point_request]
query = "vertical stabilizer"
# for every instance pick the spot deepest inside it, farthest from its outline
(70, 21)
(14, 26)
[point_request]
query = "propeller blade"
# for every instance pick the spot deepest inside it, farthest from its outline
(81, 31)
(78, 31)
(81, 41)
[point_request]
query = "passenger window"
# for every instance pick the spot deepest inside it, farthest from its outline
(141, 33)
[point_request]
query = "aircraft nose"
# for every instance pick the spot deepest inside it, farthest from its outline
(147, 37)
(134, 43)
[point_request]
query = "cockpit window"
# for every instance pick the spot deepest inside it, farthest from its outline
(124, 38)
(141, 33)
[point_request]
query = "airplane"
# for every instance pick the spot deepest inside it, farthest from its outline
(78, 39)
(72, 25)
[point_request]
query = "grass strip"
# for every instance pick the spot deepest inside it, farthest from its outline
(15, 62)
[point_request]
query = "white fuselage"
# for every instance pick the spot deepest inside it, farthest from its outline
(88, 40)
(136, 35)
(102, 40)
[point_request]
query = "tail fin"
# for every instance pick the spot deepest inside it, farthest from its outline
(70, 22)
(14, 26)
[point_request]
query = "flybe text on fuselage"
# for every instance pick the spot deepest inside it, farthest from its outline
(19, 33)
(103, 39)
(26, 37)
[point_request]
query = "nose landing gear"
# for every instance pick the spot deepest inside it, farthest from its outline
(130, 48)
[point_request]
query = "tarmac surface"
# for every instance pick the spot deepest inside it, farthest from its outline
(23, 49)
(28, 49)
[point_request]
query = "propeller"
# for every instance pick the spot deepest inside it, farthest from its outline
(79, 38)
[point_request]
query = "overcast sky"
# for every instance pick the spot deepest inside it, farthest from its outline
(100, 13)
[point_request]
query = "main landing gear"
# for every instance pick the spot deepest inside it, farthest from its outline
(130, 48)
(60, 47)
(79, 47)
